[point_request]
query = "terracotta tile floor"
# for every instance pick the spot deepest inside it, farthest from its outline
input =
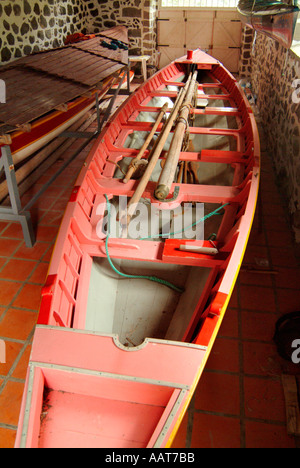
(239, 401)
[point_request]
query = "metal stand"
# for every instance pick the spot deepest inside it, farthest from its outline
(15, 212)
(114, 96)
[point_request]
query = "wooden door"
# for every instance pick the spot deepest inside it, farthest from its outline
(217, 32)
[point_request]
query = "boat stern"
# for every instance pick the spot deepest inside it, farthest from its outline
(96, 393)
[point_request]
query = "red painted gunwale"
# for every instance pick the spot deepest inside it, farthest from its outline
(66, 357)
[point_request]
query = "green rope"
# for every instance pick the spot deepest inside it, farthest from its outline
(124, 275)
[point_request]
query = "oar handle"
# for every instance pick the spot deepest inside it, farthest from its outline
(168, 173)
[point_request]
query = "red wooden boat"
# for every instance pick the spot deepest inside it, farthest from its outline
(66, 82)
(130, 311)
(276, 19)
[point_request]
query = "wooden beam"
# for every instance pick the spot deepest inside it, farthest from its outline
(291, 404)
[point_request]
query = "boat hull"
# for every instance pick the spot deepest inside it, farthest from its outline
(66, 80)
(116, 359)
(23, 144)
(276, 20)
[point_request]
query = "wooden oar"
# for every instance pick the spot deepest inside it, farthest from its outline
(168, 172)
(194, 171)
(131, 168)
(179, 177)
(185, 174)
(131, 207)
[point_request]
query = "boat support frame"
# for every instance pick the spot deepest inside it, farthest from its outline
(15, 213)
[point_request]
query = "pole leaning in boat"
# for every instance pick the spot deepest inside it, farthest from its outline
(132, 167)
(168, 173)
(153, 158)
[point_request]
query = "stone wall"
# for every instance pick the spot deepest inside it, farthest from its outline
(245, 65)
(139, 16)
(275, 71)
(28, 26)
